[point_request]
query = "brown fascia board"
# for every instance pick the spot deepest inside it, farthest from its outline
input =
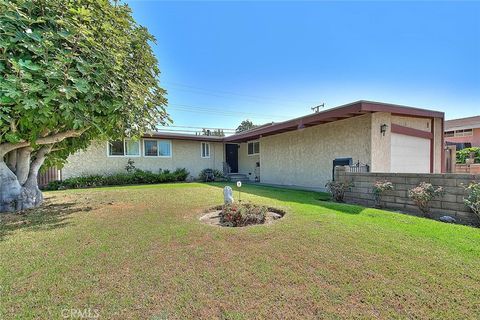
(372, 106)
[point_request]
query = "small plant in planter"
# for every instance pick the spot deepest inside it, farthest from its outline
(242, 214)
(423, 194)
(472, 200)
(379, 188)
(338, 189)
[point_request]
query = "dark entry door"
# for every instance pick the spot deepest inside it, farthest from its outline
(231, 156)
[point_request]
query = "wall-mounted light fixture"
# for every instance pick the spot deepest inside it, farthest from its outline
(300, 127)
(383, 129)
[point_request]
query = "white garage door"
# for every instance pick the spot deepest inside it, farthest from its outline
(410, 154)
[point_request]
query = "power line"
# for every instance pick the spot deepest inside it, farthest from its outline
(185, 107)
(223, 93)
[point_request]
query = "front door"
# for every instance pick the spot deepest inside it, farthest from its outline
(231, 157)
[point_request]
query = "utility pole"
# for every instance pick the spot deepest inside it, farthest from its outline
(317, 108)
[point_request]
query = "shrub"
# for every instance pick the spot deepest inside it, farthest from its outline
(130, 167)
(216, 173)
(379, 188)
(423, 194)
(242, 214)
(473, 198)
(338, 189)
(124, 178)
(464, 154)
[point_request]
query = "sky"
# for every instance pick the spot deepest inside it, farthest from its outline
(223, 62)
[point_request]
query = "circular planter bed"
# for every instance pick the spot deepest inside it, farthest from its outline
(241, 215)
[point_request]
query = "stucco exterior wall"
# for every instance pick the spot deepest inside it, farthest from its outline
(437, 145)
(246, 163)
(305, 158)
(381, 150)
(423, 124)
(185, 154)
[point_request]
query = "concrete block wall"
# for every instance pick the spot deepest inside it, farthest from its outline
(450, 204)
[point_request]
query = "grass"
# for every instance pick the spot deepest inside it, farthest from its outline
(140, 252)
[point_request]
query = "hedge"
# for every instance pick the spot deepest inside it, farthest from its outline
(118, 179)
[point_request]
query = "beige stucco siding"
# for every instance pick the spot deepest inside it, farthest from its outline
(304, 158)
(381, 151)
(247, 163)
(437, 146)
(423, 124)
(185, 154)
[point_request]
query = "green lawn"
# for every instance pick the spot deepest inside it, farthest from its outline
(140, 252)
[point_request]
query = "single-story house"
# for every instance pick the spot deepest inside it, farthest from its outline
(463, 132)
(299, 152)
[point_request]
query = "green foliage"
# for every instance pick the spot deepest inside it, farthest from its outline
(464, 154)
(472, 200)
(423, 194)
(216, 173)
(130, 167)
(242, 214)
(245, 125)
(338, 189)
(379, 188)
(126, 178)
(75, 65)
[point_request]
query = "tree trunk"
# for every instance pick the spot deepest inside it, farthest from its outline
(15, 197)
(18, 175)
(18, 195)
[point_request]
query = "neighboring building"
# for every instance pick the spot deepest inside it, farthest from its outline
(464, 132)
(298, 152)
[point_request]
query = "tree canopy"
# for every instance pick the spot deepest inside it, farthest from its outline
(245, 125)
(70, 72)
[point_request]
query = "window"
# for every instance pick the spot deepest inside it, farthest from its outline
(449, 134)
(132, 148)
(157, 148)
(205, 150)
(164, 148)
(150, 147)
(116, 148)
(253, 148)
(123, 148)
(464, 133)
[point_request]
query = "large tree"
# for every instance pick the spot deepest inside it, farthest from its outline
(244, 126)
(70, 72)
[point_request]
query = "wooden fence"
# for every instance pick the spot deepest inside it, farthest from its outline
(51, 174)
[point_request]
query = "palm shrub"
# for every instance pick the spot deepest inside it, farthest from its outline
(472, 200)
(338, 189)
(423, 194)
(379, 188)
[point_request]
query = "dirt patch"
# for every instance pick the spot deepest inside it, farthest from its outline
(212, 216)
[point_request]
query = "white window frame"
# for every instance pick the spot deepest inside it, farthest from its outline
(201, 150)
(158, 148)
(125, 150)
(449, 134)
(253, 142)
(462, 133)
